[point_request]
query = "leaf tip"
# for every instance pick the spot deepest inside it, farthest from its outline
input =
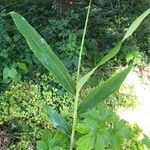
(11, 13)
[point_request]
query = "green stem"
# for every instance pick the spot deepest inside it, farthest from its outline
(74, 120)
(77, 79)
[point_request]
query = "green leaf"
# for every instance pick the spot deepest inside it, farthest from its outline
(118, 133)
(58, 121)
(12, 73)
(85, 143)
(56, 148)
(129, 57)
(115, 143)
(82, 128)
(83, 80)
(40, 145)
(59, 139)
(23, 67)
(119, 129)
(47, 137)
(111, 54)
(103, 91)
(100, 142)
(146, 141)
(51, 141)
(136, 24)
(43, 52)
(119, 124)
(95, 126)
(9, 73)
(5, 73)
(116, 49)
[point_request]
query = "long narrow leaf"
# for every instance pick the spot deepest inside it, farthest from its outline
(83, 80)
(116, 49)
(43, 52)
(111, 54)
(58, 121)
(136, 24)
(103, 91)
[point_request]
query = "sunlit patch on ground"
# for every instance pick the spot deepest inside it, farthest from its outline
(141, 114)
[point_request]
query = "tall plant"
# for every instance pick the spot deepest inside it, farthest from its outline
(49, 59)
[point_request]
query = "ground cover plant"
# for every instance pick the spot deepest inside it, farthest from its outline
(48, 58)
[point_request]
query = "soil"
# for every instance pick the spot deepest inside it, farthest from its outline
(4, 137)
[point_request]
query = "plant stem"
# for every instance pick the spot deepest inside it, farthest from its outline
(74, 120)
(77, 79)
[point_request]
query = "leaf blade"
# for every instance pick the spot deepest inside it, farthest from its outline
(86, 142)
(136, 24)
(58, 121)
(43, 52)
(107, 57)
(111, 54)
(102, 91)
(100, 143)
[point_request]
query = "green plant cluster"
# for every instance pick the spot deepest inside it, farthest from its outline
(103, 129)
(27, 89)
(22, 109)
(100, 127)
(112, 137)
(63, 33)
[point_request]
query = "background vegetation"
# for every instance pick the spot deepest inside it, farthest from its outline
(25, 86)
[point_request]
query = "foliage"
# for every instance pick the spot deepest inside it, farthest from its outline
(100, 128)
(136, 141)
(110, 21)
(48, 58)
(63, 33)
(125, 97)
(105, 128)
(22, 109)
(146, 141)
(103, 91)
(51, 141)
(58, 122)
(16, 55)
